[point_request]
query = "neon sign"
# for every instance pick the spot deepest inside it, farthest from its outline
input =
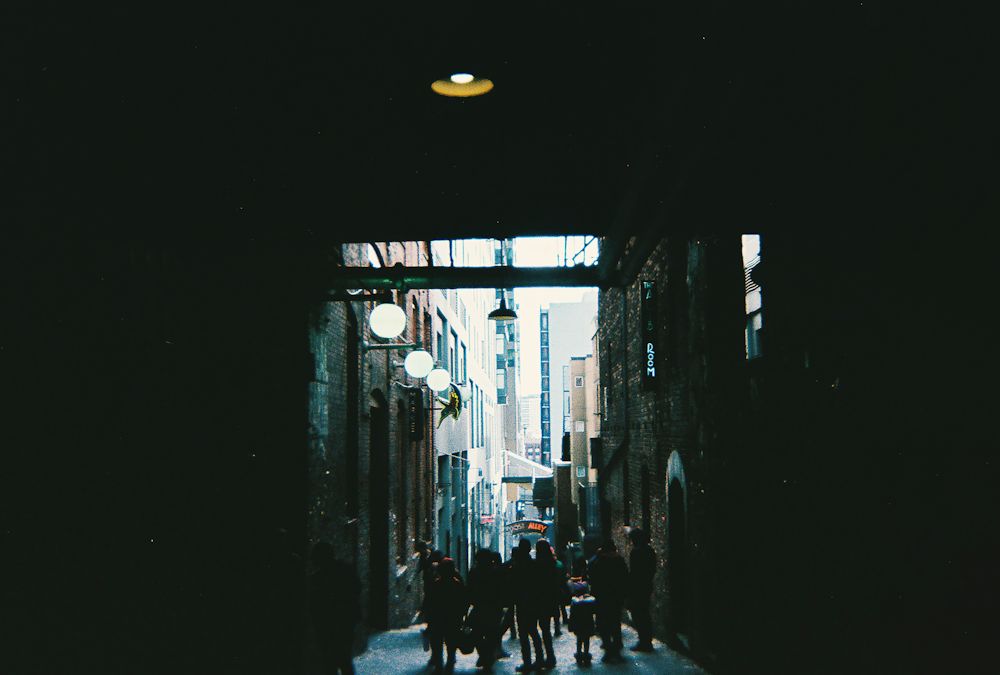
(647, 314)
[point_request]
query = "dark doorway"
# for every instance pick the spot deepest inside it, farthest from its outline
(646, 506)
(352, 451)
(378, 495)
(403, 480)
(626, 494)
(677, 560)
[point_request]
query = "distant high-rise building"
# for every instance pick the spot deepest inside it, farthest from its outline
(566, 330)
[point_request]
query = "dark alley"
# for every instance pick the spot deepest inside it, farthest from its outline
(272, 283)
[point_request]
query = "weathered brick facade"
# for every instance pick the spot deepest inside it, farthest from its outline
(801, 470)
(371, 496)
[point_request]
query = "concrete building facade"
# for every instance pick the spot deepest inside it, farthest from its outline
(566, 330)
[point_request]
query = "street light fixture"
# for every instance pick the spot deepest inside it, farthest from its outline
(502, 313)
(418, 363)
(438, 379)
(387, 320)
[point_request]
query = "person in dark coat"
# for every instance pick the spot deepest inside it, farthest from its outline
(609, 583)
(564, 596)
(334, 608)
(446, 608)
(581, 617)
(484, 591)
(642, 569)
(551, 584)
(508, 598)
(524, 588)
(428, 571)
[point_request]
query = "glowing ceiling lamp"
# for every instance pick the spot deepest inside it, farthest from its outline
(462, 85)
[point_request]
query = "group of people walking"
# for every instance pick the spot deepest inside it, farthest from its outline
(528, 594)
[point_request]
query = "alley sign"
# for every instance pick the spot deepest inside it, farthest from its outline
(529, 527)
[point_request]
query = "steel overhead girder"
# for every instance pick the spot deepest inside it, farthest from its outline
(399, 276)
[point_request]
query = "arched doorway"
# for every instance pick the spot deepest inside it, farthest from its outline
(378, 499)
(678, 553)
(352, 450)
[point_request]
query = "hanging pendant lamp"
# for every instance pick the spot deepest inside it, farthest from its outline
(502, 313)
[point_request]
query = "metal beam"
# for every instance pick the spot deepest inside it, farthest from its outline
(407, 278)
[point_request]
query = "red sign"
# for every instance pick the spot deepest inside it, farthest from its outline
(529, 527)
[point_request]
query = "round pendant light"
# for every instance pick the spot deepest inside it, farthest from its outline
(462, 85)
(438, 379)
(418, 363)
(387, 320)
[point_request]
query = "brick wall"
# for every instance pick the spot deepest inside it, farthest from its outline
(690, 410)
(392, 498)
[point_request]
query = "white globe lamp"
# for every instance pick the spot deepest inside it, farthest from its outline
(438, 379)
(387, 320)
(418, 363)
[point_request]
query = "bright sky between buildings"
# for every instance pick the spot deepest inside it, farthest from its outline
(544, 252)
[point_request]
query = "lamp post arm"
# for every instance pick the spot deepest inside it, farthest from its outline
(397, 345)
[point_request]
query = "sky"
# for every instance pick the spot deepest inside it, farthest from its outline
(543, 252)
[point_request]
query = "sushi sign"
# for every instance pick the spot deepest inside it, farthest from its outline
(528, 527)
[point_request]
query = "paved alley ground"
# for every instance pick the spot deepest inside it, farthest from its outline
(400, 652)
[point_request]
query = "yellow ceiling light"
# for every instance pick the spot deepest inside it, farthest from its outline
(462, 85)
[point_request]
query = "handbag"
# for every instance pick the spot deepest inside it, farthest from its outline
(466, 639)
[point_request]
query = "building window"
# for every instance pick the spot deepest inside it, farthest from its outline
(578, 381)
(751, 260)
(581, 471)
(464, 366)
(579, 426)
(453, 360)
(442, 340)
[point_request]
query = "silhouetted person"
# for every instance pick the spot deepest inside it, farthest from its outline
(524, 586)
(334, 607)
(642, 569)
(564, 595)
(283, 601)
(446, 607)
(581, 618)
(505, 602)
(484, 591)
(508, 597)
(428, 573)
(551, 584)
(609, 582)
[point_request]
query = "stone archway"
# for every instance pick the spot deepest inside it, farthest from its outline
(378, 513)
(678, 550)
